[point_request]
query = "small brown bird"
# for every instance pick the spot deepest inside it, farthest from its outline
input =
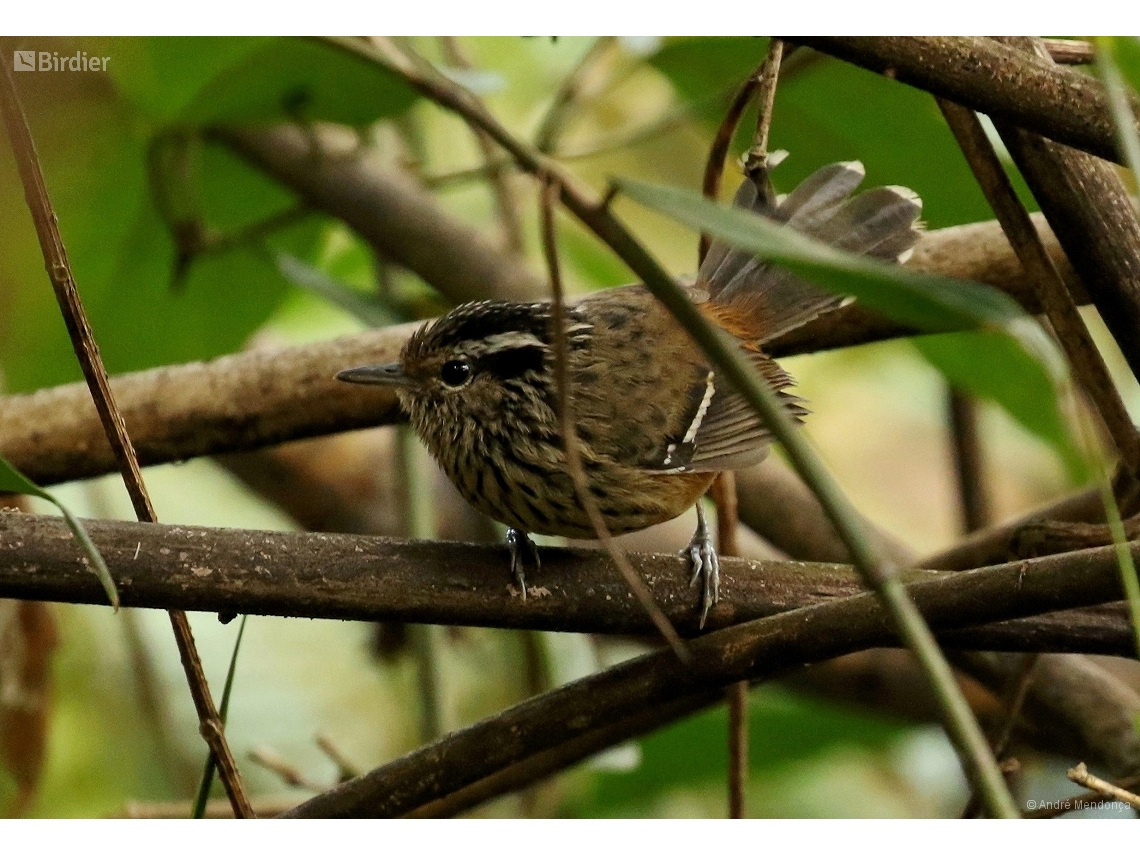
(655, 423)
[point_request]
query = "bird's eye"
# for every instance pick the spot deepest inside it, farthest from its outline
(455, 372)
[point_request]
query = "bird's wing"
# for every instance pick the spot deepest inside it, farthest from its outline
(720, 431)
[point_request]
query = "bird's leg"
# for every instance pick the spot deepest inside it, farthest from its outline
(706, 565)
(523, 552)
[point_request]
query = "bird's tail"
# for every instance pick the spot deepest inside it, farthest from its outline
(882, 223)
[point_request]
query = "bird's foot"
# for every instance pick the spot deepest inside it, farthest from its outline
(523, 552)
(706, 565)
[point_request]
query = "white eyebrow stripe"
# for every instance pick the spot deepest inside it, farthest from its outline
(505, 341)
(710, 390)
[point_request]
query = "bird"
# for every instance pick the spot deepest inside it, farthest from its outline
(655, 422)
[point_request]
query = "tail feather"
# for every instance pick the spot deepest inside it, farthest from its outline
(882, 222)
(820, 191)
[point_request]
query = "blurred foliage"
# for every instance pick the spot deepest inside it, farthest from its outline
(786, 731)
(127, 161)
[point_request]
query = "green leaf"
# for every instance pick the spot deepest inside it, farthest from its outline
(787, 729)
(252, 80)
(1118, 95)
(367, 308)
(928, 303)
(828, 110)
(13, 481)
(991, 365)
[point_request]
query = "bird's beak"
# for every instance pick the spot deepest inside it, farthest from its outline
(391, 374)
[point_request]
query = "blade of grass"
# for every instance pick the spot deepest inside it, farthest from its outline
(13, 481)
(208, 773)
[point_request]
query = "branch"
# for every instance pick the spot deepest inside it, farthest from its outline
(349, 577)
(620, 700)
(1027, 91)
(1081, 776)
(398, 218)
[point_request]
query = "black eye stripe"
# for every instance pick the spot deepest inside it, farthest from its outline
(512, 362)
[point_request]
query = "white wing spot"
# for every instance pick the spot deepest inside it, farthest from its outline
(710, 390)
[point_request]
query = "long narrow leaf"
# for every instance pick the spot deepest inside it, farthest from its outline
(13, 481)
(933, 304)
(207, 781)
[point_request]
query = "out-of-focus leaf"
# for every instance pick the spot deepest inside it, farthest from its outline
(199, 81)
(705, 67)
(366, 308)
(929, 303)
(28, 639)
(12, 481)
(1117, 84)
(123, 257)
(1126, 53)
(785, 728)
(991, 365)
(828, 110)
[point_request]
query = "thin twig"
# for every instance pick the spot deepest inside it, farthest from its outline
(1081, 802)
(1060, 308)
(550, 127)
(1081, 775)
(498, 177)
(1017, 693)
(283, 769)
(1070, 51)
(723, 494)
(757, 157)
(345, 769)
(1020, 693)
(95, 373)
(974, 499)
(550, 192)
(718, 152)
(723, 490)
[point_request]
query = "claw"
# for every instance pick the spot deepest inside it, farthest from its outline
(706, 565)
(523, 551)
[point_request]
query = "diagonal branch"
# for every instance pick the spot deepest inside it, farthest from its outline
(110, 418)
(1027, 91)
(1060, 308)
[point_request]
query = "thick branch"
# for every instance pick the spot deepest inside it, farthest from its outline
(1027, 91)
(370, 578)
(263, 397)
(1096, 222)
(235, 403)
